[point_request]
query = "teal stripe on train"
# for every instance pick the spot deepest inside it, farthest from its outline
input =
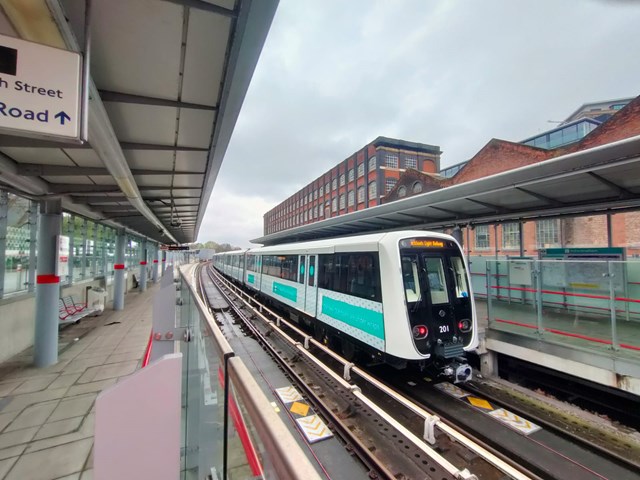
(290, 293)
(361, 318)
(251, 278)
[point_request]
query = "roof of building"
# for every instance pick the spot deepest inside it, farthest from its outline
(590, 105)
(404, 144)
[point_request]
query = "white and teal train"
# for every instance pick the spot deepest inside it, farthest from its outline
(398, 297)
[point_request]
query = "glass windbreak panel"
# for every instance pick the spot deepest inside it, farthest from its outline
(627, 306)
(576, 302)
(78, 248)
(111, 250)
(90, 249)
(18, 243)
(203, 417)
(247, 454)
(410, 278)
(437, 283)
(101, 244)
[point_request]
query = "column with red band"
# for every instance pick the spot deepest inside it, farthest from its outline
(118, 266)
(45, 279)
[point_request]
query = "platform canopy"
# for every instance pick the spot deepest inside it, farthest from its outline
(599, 180)
(168, 81)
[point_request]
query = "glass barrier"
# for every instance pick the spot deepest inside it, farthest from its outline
(229, 428)
(590, 304)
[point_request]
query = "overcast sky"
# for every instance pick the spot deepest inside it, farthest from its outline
(334, 75)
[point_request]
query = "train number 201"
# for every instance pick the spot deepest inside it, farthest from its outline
(444, 328)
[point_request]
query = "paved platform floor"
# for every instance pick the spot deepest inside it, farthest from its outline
(47, 415)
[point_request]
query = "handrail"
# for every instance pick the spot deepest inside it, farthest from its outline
(285, 453)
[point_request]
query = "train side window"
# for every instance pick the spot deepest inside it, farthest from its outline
(326, 270)
(251, 263)
(460, 277)
(362, 276)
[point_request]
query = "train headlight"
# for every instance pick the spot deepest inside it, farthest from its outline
(464, 325)
(420, 332)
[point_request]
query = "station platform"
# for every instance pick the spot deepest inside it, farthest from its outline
(47, 414)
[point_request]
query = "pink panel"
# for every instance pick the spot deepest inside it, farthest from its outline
(137, 431)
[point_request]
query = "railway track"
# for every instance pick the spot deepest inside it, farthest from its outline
(390, 446)
(359, 412)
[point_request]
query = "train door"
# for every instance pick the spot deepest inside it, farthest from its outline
(302, 275)
(311, 286)
(429, 298)
(439, 300)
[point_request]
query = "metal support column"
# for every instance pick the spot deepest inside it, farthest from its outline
(609, 231)
(119, 283)
(45, 345)
(143, 266)
(33, 238)
(457, 234)
(164, 261)
(155, 264)
(521, 239)
(4, 218)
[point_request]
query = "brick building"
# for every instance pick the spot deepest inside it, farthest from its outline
(357, 182)
(500, 155)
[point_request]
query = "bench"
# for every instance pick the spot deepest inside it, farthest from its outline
(71, 312)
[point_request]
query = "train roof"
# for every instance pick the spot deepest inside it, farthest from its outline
(369, 242)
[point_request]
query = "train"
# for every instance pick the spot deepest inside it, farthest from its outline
(401, 298)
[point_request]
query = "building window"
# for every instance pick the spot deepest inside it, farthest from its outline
(482, 237)
(334, 184)
(391, 160)
(342, 178)
(306, 215)
(352, 174)
(402, 191)
(321, 190)
(320, 211)
(341, 201)
(389, 183)
(361, 170)
(334, 205)
(410, 162)
(511, 236)
(350, 198)
(326, 188)
(361, 194)
(372, 164)
(547, 233)
(315, 194)
(417, 187)
(373, 190)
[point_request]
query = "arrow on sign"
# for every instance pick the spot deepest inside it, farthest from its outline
(62, 116)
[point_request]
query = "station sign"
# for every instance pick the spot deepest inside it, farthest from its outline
(40, 93)
(62, 260)
(173, 248)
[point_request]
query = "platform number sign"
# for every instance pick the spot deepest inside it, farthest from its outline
(39, 90)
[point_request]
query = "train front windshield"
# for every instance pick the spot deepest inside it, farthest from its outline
(436, 289)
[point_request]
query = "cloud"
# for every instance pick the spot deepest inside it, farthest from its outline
(334, 75)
